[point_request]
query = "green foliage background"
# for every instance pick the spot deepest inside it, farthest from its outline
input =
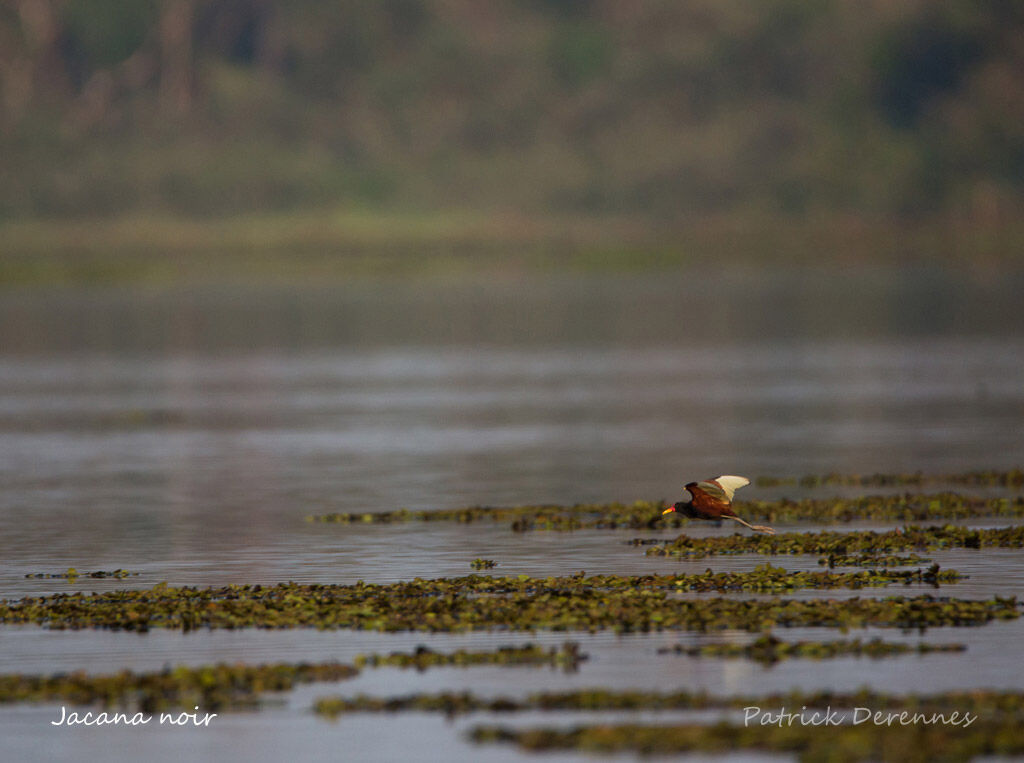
(659, 109)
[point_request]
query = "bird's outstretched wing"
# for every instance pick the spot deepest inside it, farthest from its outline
(730, 484)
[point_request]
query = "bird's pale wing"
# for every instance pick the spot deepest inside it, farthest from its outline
(730, 484)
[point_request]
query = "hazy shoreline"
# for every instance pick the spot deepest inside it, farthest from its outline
(334, 245)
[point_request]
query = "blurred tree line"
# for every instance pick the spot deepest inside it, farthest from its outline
(664, 108)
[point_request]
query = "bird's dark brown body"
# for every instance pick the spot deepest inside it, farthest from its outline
(712, 499)
(703, 505)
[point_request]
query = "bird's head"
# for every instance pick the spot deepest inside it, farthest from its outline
(671, 508)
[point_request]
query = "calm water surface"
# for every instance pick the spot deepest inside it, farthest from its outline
(186, 434)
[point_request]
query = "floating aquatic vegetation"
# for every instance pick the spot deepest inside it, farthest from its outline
(227, 686)
(483, 564)
(769, 649)
(832, 560)
(903, 507)
(848, 744)
(768, 578)
(845, 543)
(530, 514)
(1010, 478)
(982, 702)
(567, 657)
(575, 603)
(647, 514)
(870, 560)
(211, 687)
(861, 726)
(71, 574)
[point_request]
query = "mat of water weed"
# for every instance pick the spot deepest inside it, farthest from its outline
(479, 602)
(982, 702)
(639, 509)
(647, 514)
(212, 687)
(844, 744)
(232, 686)
(845, 543)
(567, 657)
(901, 507)
(870, 560)
(72, 574)
(986, 478)
(768, 649)
(832, 560)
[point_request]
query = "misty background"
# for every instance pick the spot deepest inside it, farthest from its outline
(360, 135)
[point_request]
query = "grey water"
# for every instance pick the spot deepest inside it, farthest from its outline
(185, 434)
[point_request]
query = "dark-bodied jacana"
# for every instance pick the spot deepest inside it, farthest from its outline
(712, 499)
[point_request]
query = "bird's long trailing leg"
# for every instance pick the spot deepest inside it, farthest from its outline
(755, 528)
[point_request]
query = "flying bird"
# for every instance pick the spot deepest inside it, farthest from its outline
(712, 499)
